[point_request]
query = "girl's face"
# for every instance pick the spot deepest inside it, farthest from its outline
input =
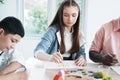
(70, 15)
(8, 41)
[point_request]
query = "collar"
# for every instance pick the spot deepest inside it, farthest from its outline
(66, 33)
(1, 51)
(69, 32)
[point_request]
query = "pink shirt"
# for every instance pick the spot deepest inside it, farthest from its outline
(107, 39)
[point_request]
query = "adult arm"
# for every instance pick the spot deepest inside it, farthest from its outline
(95, 56)
(106, 59)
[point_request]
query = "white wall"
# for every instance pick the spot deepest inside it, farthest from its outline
(9, 8)
(98, 13)
(27, 46)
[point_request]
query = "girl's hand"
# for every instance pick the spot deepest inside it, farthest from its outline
(80, 61)
(57, 57)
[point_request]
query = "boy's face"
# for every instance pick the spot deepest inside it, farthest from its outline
(8, 41)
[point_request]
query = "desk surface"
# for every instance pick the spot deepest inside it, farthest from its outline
(38, 70)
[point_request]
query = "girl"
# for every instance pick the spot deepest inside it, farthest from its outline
(63, 39)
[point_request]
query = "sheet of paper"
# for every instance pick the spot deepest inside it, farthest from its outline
(64, 65)
(116, 69)
(31, 62)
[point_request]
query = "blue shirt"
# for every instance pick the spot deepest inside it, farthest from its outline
(49, 43)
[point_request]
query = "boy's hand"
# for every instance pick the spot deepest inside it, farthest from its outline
(23, 75)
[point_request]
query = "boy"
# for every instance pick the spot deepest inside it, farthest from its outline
(11, 31)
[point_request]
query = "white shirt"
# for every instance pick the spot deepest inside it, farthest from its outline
(10, 56)
(68, 41)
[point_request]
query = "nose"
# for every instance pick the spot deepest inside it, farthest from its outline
(70, 18)
(13, 46)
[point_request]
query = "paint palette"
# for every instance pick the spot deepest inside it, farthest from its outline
(78, 74)
(82, 74)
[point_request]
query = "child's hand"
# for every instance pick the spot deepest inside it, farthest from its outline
(22, 75)
(57, 57)
(80, 61)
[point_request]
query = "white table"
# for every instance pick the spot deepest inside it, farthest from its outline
(38, 71)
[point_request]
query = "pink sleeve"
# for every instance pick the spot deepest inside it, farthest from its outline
(97, 43)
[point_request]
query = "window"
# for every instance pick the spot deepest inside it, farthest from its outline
(37, 15)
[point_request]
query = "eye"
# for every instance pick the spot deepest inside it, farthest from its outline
(14, 41)
(74, 15)
(66, 15)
